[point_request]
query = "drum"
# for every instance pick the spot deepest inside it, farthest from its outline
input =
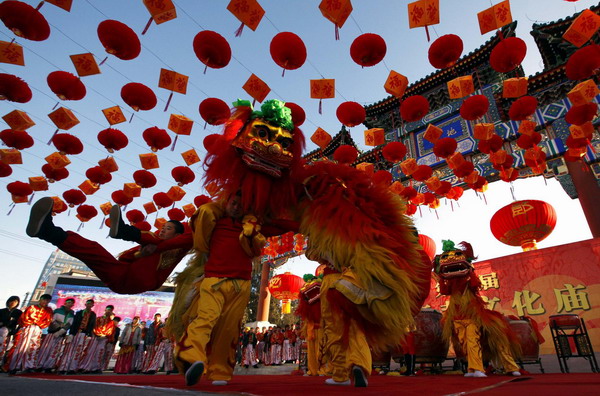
(565, 322)
(430, 347)
(527, 339)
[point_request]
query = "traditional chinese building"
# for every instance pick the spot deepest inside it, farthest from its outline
(550, 87)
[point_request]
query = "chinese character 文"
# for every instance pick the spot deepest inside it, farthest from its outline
(523, 301)
(569, 298)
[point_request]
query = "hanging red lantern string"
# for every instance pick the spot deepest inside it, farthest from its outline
(74, 197)
(144, 178)
(66, 86)
(67, 144)
(19, 189)
(394, 152)
(523, 108)
(24, 20)
(298, 114)
(5, 169)
(368, 49)
(414, 108)
(464, 169)
(288, 51)
(143, 226)
(422, 173)
(98, 175)
(54, 174)
(112, 139)
(445, 51)
(176, 214)
(120, 198)
(19, 140)
(583, 63)
(201, 200)
(183, 175)
(528, 141)
(445, 147)
(85, 213)
(408, 193)
(156, 138)
(411, 209)
(13, 89)
(474, 107)
(382, 177)
(351, 113)
(212, 49)
(214, 111)
(508, 54)
(119, 40)
(135, 216)
(345, 154)
(491, 145)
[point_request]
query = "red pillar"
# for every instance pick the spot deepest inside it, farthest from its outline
(264, 298)
(588, 191)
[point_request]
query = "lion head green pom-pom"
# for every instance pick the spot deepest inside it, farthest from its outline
(447, 245)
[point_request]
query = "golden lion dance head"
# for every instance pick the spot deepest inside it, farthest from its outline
(454, 262)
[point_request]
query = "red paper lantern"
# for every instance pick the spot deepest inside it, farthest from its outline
(16, 139)
(382, 177)
(98, 175)
(345, 154)
(522, 108)
(67, 143)
(422, 173)
(24, 20)
(212, 49)
(285, 286)
(508, 162)
(479, 184)
(135, 216)
(445, 147)
(411, 209)
(491, 145)
(523, 223)
(162, 200)
(144, 178)
(394, 151)
(74, 197)
(66, 86)
(210, 141)
(54, 174)
(214, 111)
(143, 226)
(201, 200)
(428, 246)
(183, 175)
(120, 198)
(19, 189)
(112, 139)
(508, 54)
(408, 193)
(583, 63)
(445, 51)
(579, 115)
(576, 143)
(138, 96)
(156, 138)
(14, 89)
(474, 107)
(119, 39)
(455, 193)
(368, 49)
(176, 214)
(509, 175)
(464, 169)
(351, 114)
(298, 114)
(414, 108)
(288, 50)
(86, 212)
(5, 170)
(528, 141)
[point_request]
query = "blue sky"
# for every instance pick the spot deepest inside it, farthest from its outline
(169, 46)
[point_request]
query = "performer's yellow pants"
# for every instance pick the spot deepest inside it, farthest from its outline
(469, 336)
(342, 354)
(313, 350)
(213, 335)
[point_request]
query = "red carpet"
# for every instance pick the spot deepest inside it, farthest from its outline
(277, 385)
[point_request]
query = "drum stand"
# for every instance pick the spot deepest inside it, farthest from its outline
(576, 332)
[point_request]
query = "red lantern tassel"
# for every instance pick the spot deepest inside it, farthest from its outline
(103, 60)
(80, 227)
(52, 137)
(174, 143)
(239, 30)
(147, 26)
(320, 106)
(427, 32)
(12, 206)
(39, 5)
(131, 118)
(102, 223)
(168, 101)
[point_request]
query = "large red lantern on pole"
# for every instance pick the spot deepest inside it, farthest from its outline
(285, 287)
(523, 223)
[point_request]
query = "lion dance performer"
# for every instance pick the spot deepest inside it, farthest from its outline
(467, 322)
(309, 309)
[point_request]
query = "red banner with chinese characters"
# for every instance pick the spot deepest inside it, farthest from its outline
(557, 280)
